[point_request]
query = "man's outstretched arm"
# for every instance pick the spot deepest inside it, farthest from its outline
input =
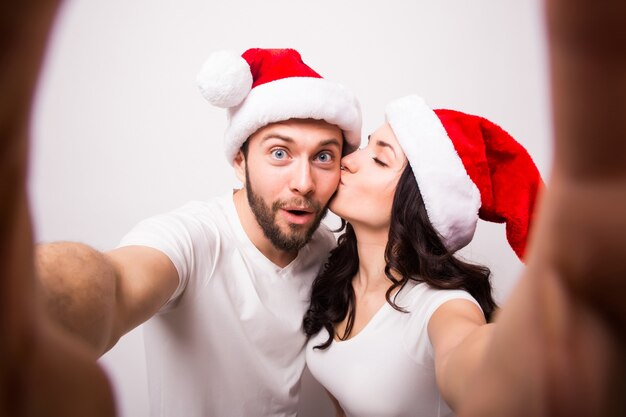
(42, 372)
(98, 297)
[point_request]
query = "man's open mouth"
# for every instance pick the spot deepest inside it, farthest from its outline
(298, 215)
(299, 212)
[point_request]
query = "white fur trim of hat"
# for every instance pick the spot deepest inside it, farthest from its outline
(451, 198)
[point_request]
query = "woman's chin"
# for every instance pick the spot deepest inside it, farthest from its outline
(336, 207)
(341, 214)
(342, 207)
(337, 213)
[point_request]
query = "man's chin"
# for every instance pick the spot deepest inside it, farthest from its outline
(299, 234)
(289, 242)
(296, 231)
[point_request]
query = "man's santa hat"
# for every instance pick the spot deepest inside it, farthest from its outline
(265, 86)
(466, 168)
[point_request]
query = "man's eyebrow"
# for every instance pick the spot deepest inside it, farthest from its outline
(332, 141)
(289, 139)
(272, 135)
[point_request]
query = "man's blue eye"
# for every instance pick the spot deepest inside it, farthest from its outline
(325, 157)
(279, 153)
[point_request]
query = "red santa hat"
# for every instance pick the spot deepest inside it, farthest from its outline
(265, 86)
(467, 168)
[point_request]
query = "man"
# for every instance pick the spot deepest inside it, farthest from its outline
(229, 278)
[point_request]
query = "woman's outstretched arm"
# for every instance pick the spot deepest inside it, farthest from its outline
(559, 347)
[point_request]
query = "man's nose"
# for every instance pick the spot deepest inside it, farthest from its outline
(302, 179)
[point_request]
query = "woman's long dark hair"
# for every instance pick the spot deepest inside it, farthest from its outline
(414, 250)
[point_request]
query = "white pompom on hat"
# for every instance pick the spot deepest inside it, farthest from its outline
(225, 79)
(264, 86)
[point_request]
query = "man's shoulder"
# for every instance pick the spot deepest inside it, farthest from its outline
(195, 218)
(202, 206)
(212, 210)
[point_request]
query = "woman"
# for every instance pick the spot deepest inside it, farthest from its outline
(397, 323)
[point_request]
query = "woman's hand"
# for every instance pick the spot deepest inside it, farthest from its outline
(559, 347)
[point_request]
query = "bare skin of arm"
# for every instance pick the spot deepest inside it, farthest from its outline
(60, 312)
(39, 366)
(558, 347)
(98, 297)
(459, 335)
(565, 325)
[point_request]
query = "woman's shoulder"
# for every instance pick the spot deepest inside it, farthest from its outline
(422, 299)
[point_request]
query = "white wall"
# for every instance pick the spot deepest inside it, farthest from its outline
(121, 133)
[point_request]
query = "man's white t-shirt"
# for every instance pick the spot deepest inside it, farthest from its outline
(229, 342)
(388, 368)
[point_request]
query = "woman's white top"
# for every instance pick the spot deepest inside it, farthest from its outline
(387, 369)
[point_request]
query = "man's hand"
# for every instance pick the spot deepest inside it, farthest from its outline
(42, 372)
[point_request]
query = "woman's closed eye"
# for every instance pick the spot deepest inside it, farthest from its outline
(379, 162)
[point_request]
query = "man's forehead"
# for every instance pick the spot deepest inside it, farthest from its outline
(317, 123)
(292, 129)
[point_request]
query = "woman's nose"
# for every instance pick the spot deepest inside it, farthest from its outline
(348, 162)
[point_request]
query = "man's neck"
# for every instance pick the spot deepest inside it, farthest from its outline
(250, 225)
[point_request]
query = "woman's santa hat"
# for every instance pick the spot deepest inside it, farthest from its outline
(265, 86)
(466, 168)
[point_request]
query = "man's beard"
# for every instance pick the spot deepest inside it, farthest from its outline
(266, 218)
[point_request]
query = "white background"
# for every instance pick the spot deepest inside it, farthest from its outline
(121, 132)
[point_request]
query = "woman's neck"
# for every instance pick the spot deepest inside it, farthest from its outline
(371, 249)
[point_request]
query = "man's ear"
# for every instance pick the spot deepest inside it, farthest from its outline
(239, 163)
